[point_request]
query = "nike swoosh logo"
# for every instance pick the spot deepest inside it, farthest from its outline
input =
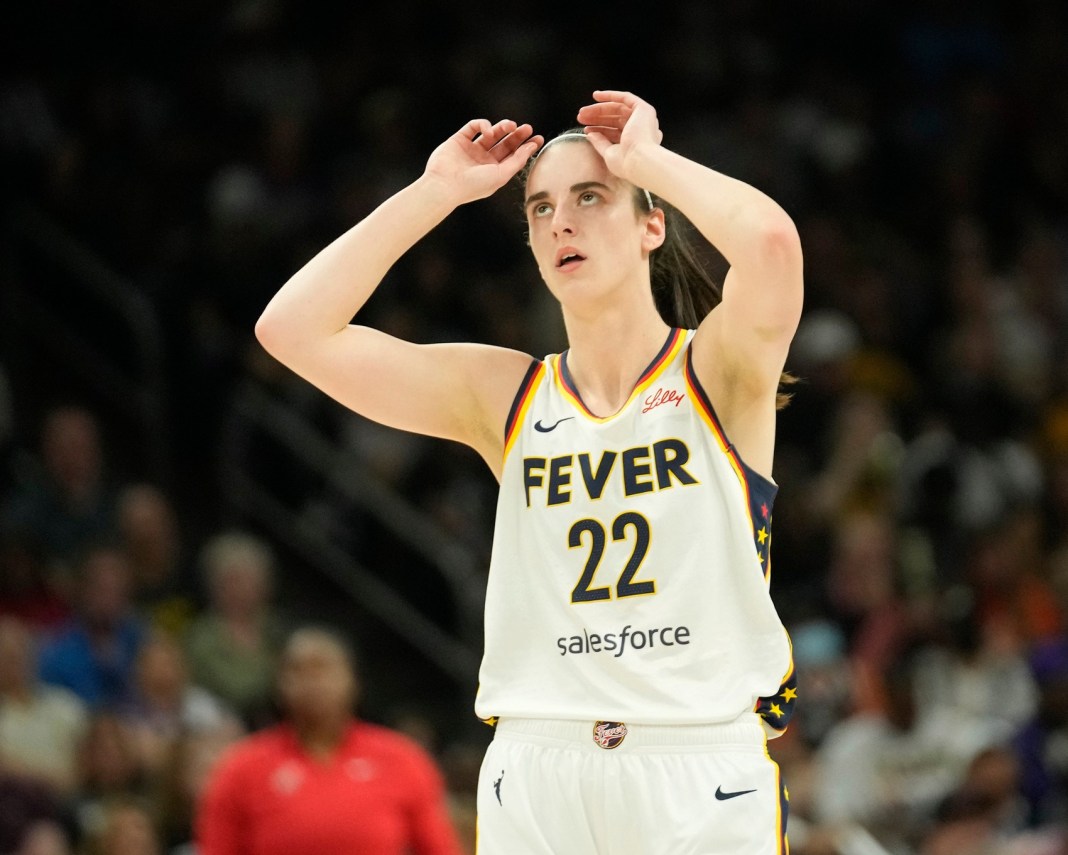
(538, 426)
(722, 796)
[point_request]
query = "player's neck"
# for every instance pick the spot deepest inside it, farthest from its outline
(322, 737)
(610, 349)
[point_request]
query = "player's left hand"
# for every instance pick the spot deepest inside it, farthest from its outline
(617, 125)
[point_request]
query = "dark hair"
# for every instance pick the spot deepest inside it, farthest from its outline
(683, 290)
(333, 637)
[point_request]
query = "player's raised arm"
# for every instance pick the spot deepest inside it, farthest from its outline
(455, 391)
(742, 344)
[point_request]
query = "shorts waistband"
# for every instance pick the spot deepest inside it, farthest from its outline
(743, 732)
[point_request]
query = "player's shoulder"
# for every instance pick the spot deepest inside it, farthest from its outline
(387, 742)
(244, 766)
(255, 750)
(505, 366)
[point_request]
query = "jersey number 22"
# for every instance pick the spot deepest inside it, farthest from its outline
(625, 586)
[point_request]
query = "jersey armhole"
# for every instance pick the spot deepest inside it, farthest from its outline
(759, 491)
(521, 402)
(761, 483)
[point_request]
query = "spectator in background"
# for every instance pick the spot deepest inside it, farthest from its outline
(864, 591)
(162, 587)
(127, 829)
(94, 655)
(191, 761)
(863, 452)
(888, 770)
(820, 659)
(1008, 572)
(233, 647)
(984, 811)
(26, 591)
(44, 837)
(1040, 744)
(109, 773)
(25, 806)
(973, 675)
(69, 504)
(1053, 441)
(40, 726)
(292, 789)
(164, 704)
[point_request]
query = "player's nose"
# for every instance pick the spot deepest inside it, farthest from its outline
(563, 223)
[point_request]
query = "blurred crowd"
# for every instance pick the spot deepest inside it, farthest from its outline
(128, 664)
(921, 553)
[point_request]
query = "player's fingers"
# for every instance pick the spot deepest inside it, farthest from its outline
(610, 132)
(511, 141)
(495, 133)
(518, 158)
(599, 140)
(593, 119)
(604, 112)
(628, 98)
(473, 128)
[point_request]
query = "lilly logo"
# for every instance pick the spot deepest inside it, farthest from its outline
(663, 396)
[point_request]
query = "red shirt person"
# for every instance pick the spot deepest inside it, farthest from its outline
(323, 783)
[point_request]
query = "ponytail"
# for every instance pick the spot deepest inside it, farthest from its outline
(683, 290)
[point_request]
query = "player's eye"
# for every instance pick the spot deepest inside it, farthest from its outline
(588, 198)
(542, 209)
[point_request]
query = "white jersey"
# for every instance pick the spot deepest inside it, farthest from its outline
(630, 565)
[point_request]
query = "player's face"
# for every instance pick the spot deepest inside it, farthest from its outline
(315, 680)
(586, 233)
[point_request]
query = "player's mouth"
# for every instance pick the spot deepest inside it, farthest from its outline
(568, 258)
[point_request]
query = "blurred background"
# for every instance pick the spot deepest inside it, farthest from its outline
(170, 492)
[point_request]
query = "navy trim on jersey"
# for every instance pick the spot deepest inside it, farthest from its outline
(778, 709)
(569, 382)
(784, 816)
(521, 392)
(761, 491)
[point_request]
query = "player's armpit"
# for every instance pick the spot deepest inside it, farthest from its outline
(740, 364)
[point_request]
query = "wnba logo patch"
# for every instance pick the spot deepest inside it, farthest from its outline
(609, 734)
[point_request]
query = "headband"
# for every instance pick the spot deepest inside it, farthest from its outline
(575, 135)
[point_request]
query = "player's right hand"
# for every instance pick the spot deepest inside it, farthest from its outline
(481, 158)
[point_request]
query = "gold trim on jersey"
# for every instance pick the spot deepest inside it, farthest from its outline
(674, 344)
(703, 408)
(521, 405)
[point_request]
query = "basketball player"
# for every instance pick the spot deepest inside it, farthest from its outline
(634, 664)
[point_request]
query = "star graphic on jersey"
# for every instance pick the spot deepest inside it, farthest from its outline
(764, 510)
(786, 794)
(762, 535)
(789, 694)
(775, 709)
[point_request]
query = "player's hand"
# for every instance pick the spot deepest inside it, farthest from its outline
(617, 125)
(480, 158)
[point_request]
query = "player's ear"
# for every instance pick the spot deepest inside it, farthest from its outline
(655, 230)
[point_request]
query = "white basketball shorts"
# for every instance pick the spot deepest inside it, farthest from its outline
(552, 787)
